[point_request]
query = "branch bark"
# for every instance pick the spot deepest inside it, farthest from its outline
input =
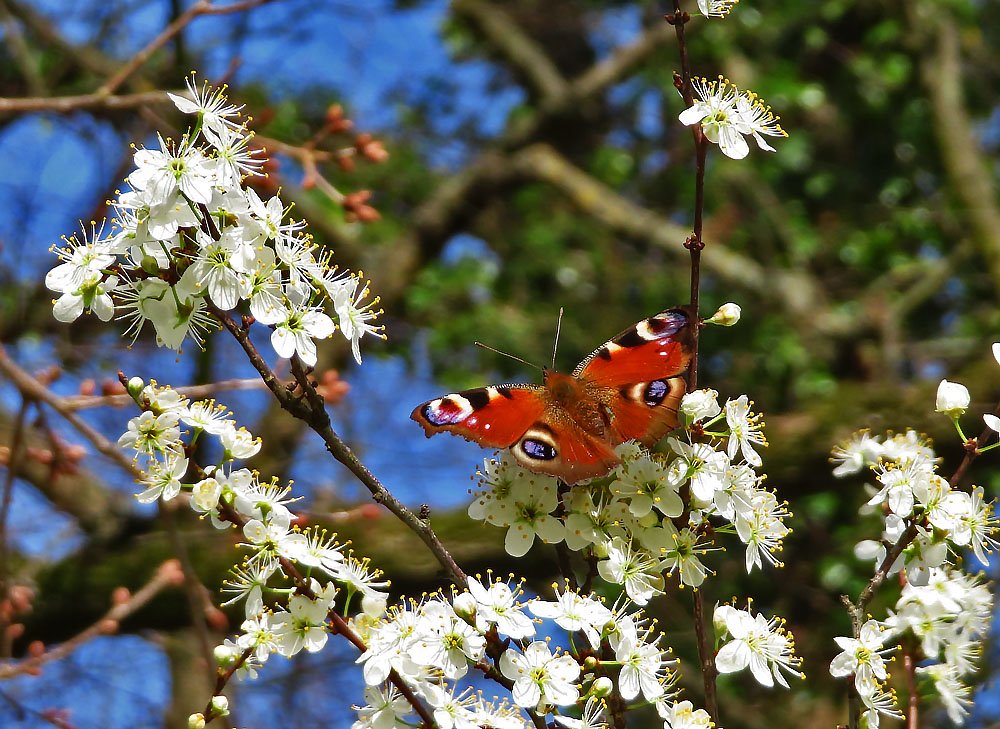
(795, 291)
(517, 47)
(961, 154)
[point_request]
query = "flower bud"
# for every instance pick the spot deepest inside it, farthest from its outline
(220, 705)
(952, 399)
(465, 607)
(868, 549)
(649, 520)
(135, 387)
(196, 721)
(726, 316)
(224, 655)
(602, 687)
(700, 405)
(996, 351)
(992, 422)
(373, 604)
(719, 618)
(150, 265)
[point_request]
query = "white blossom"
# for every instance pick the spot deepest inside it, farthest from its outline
(498, 605)
(539, 676)
(744, 430)
(862, 657)
(700, 405)
(758, 643)
(726, 114)
(572, 611)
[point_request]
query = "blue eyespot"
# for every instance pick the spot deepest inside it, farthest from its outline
(655, 392)
(539, 450)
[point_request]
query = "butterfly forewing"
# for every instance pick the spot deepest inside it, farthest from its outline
(495, 416)
(656, 348)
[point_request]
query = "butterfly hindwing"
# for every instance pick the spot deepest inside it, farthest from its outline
(557, 446)
(645, 411)
(495, 416)
(656, 348)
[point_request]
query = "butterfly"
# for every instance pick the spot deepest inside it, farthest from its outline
(627, 389)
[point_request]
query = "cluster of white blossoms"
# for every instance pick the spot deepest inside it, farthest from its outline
(432, 643)
(294, 582)
(636, 522)
(727, 115)
(945, 609)
(161, 437)
(189, 239)
(653, 517)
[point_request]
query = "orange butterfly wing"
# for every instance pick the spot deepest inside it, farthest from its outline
(495, 416)
(656, 348)
(556, 445)
(637, 375)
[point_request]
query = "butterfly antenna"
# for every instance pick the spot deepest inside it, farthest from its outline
(555, 345)
(524, 361)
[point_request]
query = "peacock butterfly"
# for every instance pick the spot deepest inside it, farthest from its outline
(627, 389)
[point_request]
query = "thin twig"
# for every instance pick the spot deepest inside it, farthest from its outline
(13, 457)
(202, 7)
(695, 243)
(166, 575)
(65, 104)
(910, 669)
(30, 387)
(195, 392)
(706, 656)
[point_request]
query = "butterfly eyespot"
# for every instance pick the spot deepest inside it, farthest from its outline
(656, 327)
(655, 392)
(538, 443)
(537, 449)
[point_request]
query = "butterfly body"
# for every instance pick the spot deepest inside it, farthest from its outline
(627, 389)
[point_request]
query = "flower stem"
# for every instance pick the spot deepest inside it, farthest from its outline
(706, 656)
(694, 244)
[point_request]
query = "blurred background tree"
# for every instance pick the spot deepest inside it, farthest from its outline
(535, 162)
